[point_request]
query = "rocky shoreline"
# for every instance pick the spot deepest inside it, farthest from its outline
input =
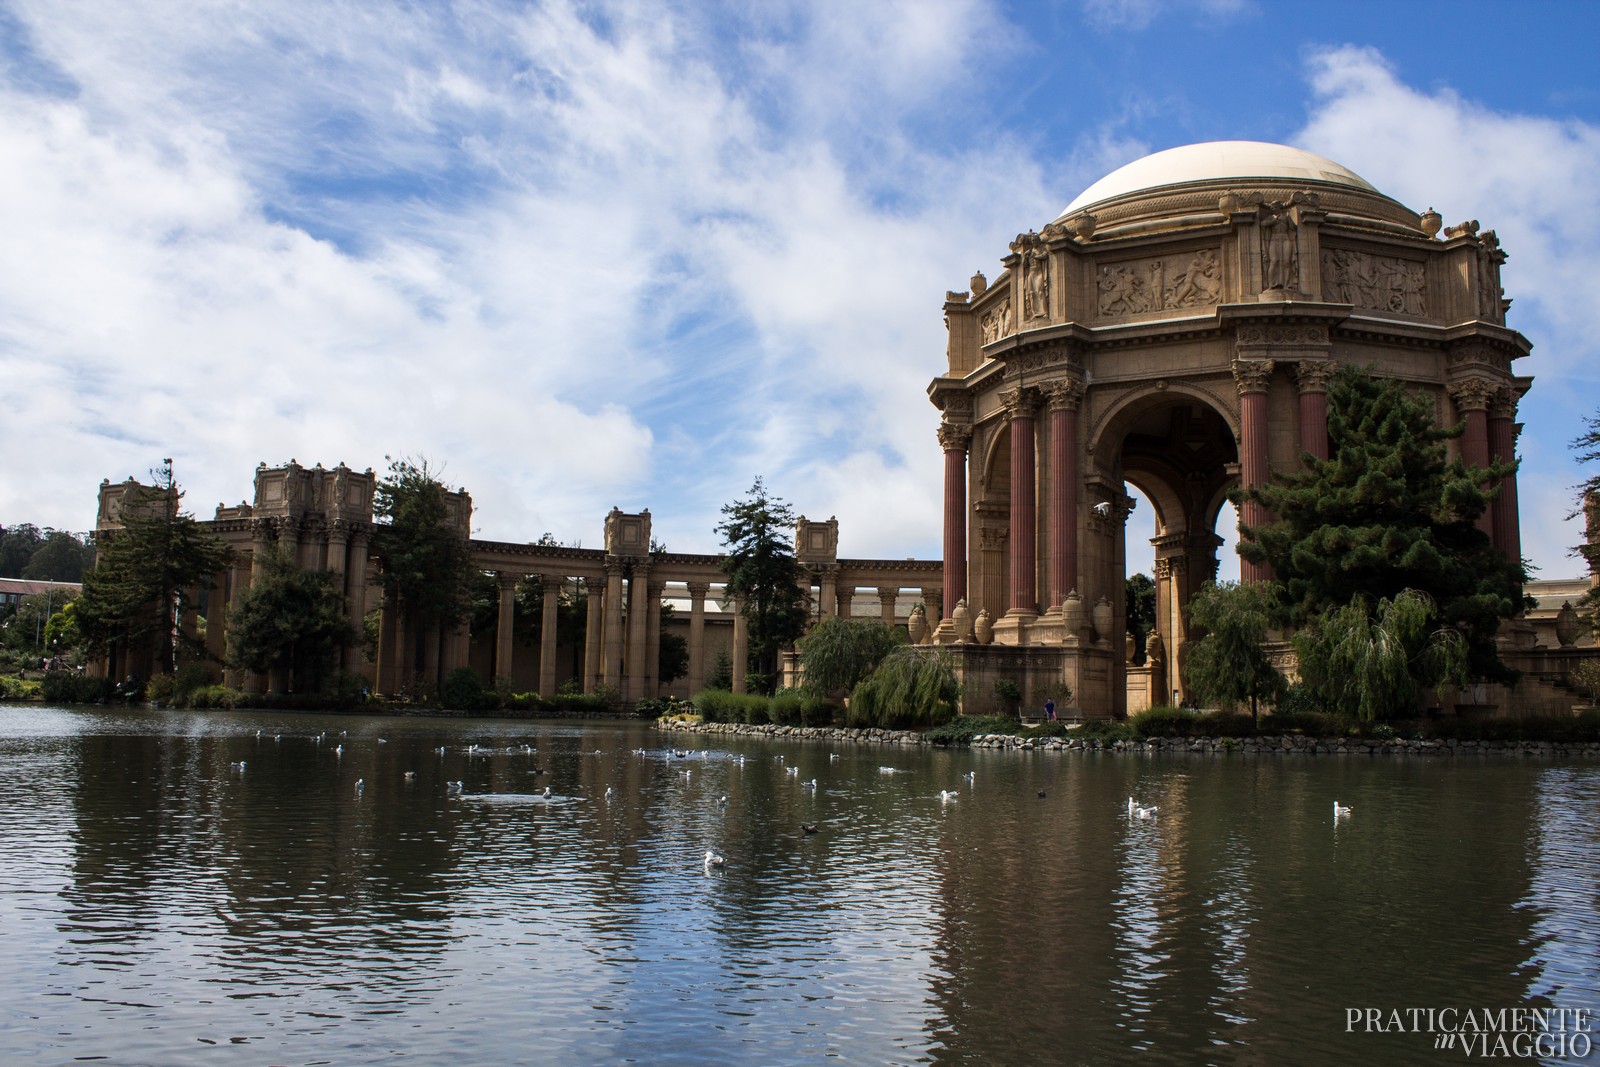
(1288, 744)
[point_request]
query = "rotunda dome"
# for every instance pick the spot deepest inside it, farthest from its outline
(1213, 161)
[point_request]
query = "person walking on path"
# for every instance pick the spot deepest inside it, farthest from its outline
(1050, 708)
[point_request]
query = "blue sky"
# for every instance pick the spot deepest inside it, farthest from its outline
(636, 254)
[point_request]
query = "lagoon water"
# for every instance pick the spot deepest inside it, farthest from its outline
(161, 904)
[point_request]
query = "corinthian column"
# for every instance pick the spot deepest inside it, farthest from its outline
(1472, 396)
(955, 438)
(504, 624)
(1503, 449)
(612, 642)
(1252, 376)
(1065, 399)
(1312, 376)
(1023, 404)
(550, 587)
(697, 635)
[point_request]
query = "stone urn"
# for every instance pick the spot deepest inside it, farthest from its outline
(1566, 624)
(1072, 612)
(917, 625)
(984, 627)
(1228, 202)
(980, 284)
(1154, 650)
(1082, 225)
(961, 619)
(1431, 222)
(1130, 647)
(1101, 617)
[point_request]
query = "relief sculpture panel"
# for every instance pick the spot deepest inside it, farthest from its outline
(997, 323)
(1160, 284)
(1382, 283)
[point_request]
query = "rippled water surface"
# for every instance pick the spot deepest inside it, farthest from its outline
(254, 888)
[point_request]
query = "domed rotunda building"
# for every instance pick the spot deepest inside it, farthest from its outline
(1174, 329)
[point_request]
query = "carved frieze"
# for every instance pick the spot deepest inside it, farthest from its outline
(1381, 283)
(1040, 358)
(1296, 334)
(1160, 283)
(997, 323)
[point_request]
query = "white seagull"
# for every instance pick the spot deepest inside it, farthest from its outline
(1340, 810)
(714, 860)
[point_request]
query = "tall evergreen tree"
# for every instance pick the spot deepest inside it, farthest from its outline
(1386, 512)
(290, 619)
(764, 574)
(424, 563)
(146, 574)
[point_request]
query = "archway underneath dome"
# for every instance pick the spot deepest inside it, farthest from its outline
(1178, 453)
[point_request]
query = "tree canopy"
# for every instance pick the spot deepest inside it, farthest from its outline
(145, 575)
(838, 653)
(1386, 512)
(765, 576)
(1230, 664)
(423, 558)
(290, 619)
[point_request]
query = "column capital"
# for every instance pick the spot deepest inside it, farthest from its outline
(339, 530)
(955, 436)
(698, 590)
(614, 565)
(1504, 403)
(1472, 394)
(1252, 375)
(507, 579)
(1021, 402)
(1064, 394)
(1312, 375)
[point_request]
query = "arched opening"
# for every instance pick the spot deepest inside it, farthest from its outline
(1176, 456)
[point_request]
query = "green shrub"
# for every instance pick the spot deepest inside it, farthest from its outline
(662, 707)
(582, 703)
(963, 728)
(213, 696)
(913, 686)
(1164, 722)
(527, 702)
(1309, 723)
(12, 688)
(70, 687)
(158, 690)
(1007, 694)
(1103, 730)
(463, 691)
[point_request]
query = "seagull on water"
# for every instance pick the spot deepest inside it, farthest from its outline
(1340, 810)
(808, 827)
(947, 795)
(361, 783)
(237, 766)
(714, 860)
(546, 790)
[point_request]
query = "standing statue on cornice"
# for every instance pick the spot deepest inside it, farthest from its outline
(1037, 297)
(1278, 245)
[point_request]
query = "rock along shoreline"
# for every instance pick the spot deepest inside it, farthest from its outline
(1287, 744)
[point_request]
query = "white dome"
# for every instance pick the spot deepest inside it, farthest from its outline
(1217, 161)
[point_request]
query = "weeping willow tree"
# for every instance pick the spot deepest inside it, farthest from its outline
(1374, 663)
(912, 686)
(838, 652)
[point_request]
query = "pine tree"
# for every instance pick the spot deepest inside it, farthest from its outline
(764, 574)
(144, 578)
(1388, 511)
(290, 619)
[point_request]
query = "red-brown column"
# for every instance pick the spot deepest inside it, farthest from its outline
(1503, 449)
(955, 437)
(1023, 403)
(1312, 377)
(1252, 376)
(1065, 397)
(1472, 401)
